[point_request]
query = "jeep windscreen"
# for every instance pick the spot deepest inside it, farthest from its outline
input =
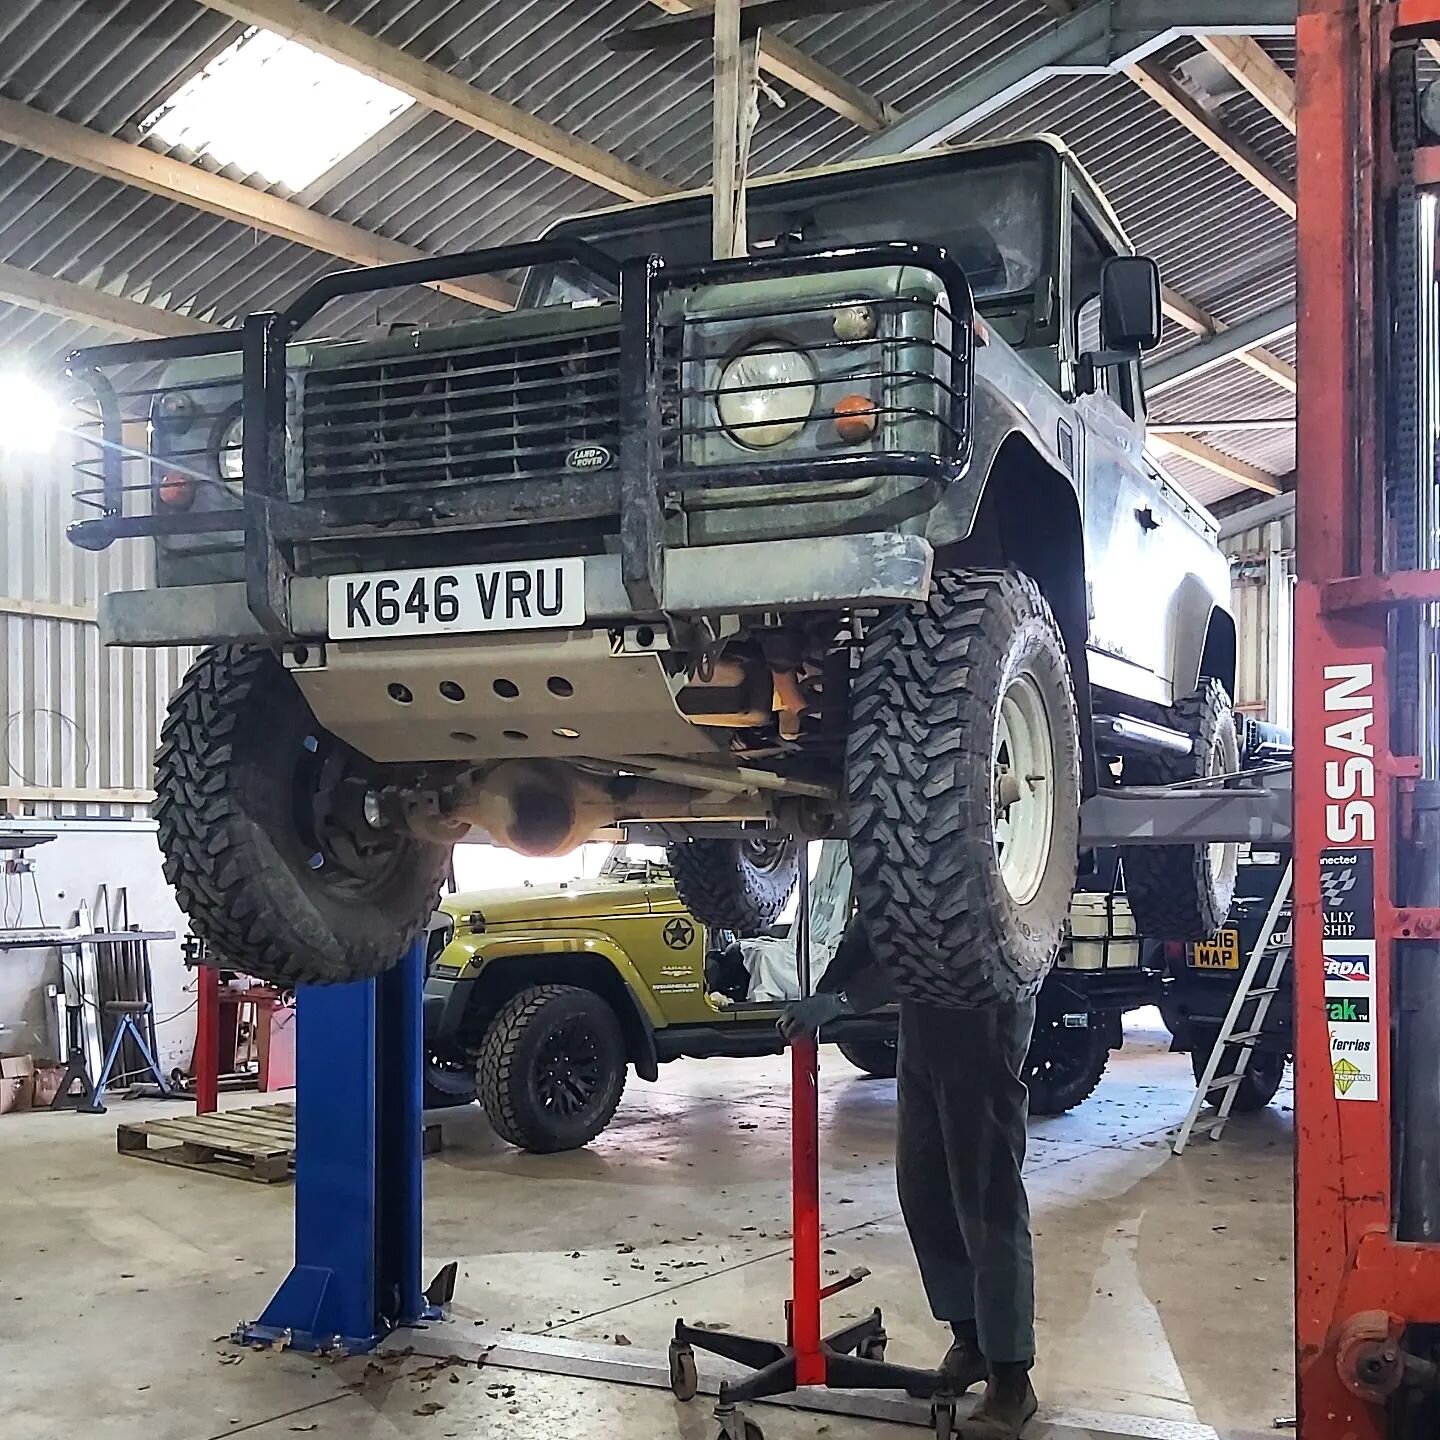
(992, 216)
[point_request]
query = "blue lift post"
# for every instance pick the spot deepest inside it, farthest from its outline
(358, 1061)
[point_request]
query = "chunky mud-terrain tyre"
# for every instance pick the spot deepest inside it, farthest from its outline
(1183, 892)
(1066, 1063)
(738, 885)
(552, 1068)
(963, 776)
(877, 1058)
(263, 836)
(1261, 1080)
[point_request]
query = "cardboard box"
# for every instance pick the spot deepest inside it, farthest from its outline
(48, 1074)
(17, 1082)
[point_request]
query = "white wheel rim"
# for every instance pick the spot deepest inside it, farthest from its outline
(1022, 768)
(1224, 855)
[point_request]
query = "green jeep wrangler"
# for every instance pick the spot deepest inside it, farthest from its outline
(546, 995)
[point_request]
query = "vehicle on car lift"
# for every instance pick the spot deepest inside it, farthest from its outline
(1103, 970)
(546, 996)
(1107, 969)
(1201, 979)
(852, 535)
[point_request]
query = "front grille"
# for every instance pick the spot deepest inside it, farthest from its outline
(483, 414)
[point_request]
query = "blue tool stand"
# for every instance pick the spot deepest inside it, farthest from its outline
(357, 1166)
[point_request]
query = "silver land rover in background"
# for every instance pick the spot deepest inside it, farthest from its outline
(853, 535)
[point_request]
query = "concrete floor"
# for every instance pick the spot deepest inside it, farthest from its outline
(1164, 1283)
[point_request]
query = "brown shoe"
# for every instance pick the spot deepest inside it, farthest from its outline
(1009, 1401)
(963, 1365)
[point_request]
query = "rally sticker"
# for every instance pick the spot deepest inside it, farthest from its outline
(1347, 896)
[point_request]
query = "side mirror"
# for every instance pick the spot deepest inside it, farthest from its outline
(1129, 304)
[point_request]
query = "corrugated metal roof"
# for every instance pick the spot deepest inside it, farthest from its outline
(437, 185)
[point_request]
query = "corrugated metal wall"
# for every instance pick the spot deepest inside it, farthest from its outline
(1262, 579)
(79, 721)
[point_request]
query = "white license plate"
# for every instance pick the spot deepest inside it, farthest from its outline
(458, 599)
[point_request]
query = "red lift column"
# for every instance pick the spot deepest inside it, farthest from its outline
(1359, 1291)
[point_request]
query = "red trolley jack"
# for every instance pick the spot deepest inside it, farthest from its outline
(850, 1359)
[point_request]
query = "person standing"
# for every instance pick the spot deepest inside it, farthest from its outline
(960, 1144)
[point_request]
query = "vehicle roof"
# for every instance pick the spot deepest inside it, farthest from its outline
(1051, 143)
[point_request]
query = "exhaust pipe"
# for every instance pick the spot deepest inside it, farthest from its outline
(1127, 735)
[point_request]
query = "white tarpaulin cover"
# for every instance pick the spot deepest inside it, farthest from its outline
(774, 972)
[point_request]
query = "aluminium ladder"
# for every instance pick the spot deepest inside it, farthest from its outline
(1238, 1032)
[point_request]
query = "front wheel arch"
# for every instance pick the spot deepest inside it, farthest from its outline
(1018, 484)
(502, 979)
(1206, 645)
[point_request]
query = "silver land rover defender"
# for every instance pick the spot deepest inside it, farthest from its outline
(853, 535)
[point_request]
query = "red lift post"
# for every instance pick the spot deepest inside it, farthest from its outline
(1367, 1195)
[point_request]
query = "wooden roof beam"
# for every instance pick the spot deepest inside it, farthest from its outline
(444, 93)
(793, 67)
(173, 179)
(89, 306)
(1271, 366)
(1204, 427)
(1165, 91)
(1223, 344)
(1189, 316)
(1251, 66)
(1217, 461)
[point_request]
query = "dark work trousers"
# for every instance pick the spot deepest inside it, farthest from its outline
(960, 1146)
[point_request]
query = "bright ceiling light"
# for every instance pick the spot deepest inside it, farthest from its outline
(29, 414)
(271, 107)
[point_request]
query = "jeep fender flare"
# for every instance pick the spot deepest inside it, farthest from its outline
(582, 957)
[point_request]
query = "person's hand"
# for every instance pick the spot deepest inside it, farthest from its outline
(804, 1018)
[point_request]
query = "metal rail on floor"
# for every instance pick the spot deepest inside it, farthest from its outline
(491, 1347)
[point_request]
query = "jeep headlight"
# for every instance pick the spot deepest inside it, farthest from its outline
(766, 395)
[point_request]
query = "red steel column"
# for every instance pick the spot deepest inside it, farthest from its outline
(207, 1039)
(805, 1199)
(1343, 784)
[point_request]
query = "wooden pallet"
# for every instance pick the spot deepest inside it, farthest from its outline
(253, 1144)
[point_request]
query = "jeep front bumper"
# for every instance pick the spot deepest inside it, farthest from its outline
(830, 572)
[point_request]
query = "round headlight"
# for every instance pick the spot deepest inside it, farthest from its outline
(765, 396)
(229, 456)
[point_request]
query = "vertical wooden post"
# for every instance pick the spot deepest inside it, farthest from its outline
(736, 109)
